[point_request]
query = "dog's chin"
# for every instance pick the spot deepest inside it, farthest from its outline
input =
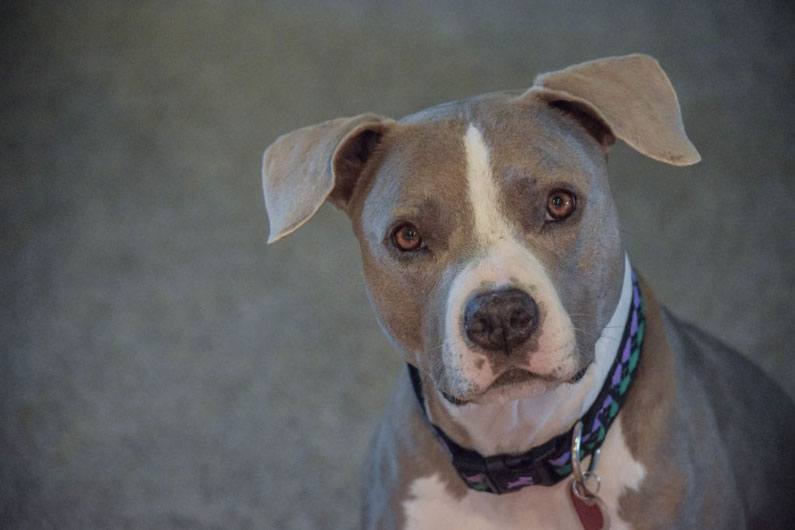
(515, 384)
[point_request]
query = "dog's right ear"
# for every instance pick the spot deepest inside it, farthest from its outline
(304, 168)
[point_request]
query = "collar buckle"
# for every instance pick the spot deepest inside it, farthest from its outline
(504, 473)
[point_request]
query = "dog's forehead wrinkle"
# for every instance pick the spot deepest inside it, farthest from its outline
(537, 142)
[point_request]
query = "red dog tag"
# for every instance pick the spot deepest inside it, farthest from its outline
(591, 511)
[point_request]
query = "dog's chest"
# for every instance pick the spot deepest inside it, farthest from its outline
(432, 506)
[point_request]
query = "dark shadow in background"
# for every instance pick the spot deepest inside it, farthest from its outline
(162, 368)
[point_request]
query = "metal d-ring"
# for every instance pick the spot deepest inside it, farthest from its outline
(579, 485)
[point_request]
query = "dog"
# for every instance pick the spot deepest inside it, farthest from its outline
(545, 386)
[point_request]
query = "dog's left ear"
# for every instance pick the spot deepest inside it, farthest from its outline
(627, 97)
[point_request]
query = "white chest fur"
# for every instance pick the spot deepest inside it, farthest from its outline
(432, 507)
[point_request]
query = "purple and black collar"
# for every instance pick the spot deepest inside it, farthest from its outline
(549, 463)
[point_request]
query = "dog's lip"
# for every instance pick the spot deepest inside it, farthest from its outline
(517, 376)
(510, 377)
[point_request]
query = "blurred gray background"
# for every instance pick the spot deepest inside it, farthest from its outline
(160, 367)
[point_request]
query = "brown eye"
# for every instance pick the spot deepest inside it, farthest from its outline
(406, 237)
(560, 204)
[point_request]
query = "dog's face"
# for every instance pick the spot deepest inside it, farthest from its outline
(490, 244)
(489, 237)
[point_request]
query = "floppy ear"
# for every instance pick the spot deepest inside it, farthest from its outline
(627, 97)
(302, 169)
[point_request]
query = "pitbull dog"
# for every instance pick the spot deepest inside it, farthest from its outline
(493, 258)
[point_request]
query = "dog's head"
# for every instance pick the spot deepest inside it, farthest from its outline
(488, 233)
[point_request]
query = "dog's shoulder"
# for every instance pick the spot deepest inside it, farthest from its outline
(755, 419)
(731, 378)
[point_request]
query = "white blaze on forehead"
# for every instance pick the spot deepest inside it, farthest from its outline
(490, 225)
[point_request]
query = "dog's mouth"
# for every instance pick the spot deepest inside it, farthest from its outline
(517, 376)
(514, 377)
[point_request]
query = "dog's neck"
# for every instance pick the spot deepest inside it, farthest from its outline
(516, 426)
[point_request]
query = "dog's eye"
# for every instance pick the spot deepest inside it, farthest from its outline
(560, 205)
(406, 237)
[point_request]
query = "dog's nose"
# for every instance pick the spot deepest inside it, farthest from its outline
(501, 320)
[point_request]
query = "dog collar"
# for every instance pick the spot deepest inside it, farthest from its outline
(550, 462)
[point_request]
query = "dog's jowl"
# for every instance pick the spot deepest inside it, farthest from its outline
(545, 387)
